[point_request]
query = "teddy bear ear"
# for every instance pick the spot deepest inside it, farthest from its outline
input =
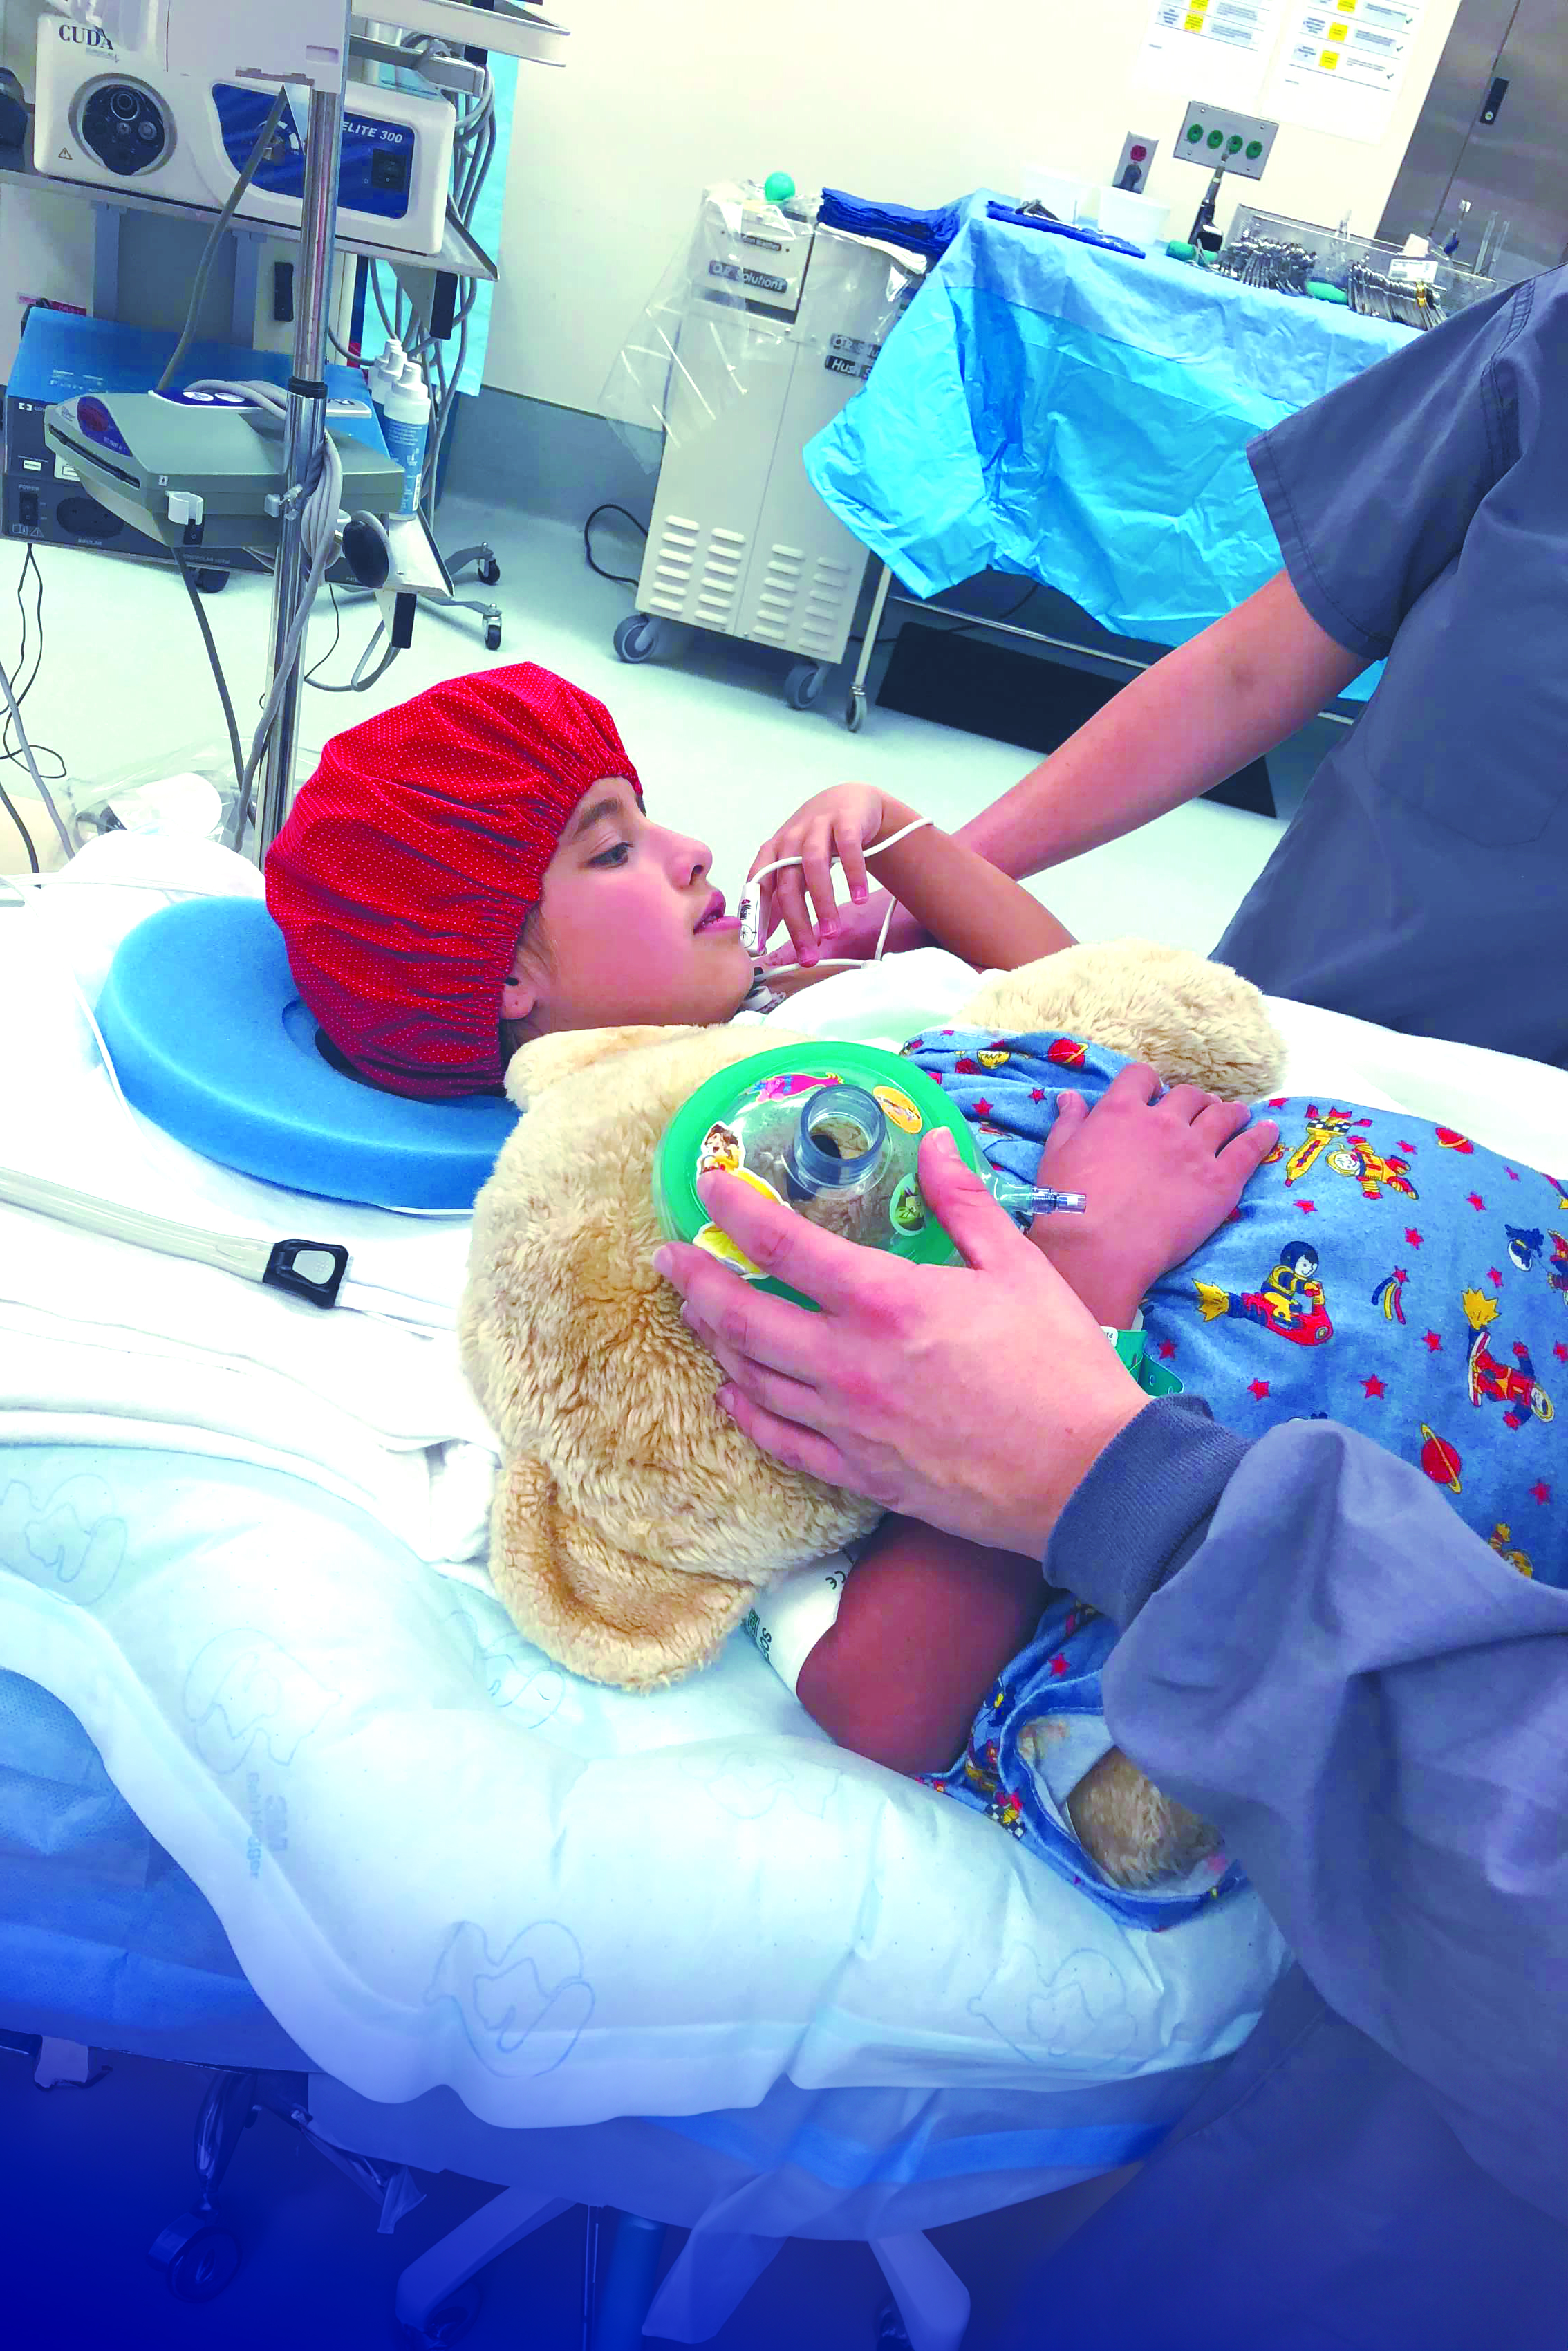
(611, 1615)
(544, 1062)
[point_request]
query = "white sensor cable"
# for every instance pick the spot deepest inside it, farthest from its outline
(750, 910)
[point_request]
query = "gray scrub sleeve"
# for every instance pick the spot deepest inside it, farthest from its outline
(1371, 488)
(1319, 1657)
(1423, 512)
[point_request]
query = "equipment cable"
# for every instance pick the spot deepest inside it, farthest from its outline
(621, 579)
(253, 163)
(236, 755)
(40, 785)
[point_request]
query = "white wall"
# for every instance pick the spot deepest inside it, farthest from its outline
(915, 101)
(45, 241)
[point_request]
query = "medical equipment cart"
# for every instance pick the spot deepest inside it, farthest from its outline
(775, 324)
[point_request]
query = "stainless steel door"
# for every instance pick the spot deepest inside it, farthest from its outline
(1515, 165)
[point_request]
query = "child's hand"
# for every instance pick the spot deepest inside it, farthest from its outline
(861, 927)
(840, 823)
(1161, 1176)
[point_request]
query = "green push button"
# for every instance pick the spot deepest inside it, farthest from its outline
(1254, 149)
(1216, 138)
(1234, 148)
(1195, 135)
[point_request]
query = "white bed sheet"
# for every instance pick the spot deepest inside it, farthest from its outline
(242, 1541)
(235, 1536)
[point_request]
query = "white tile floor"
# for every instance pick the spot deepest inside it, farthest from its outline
(87, 2178)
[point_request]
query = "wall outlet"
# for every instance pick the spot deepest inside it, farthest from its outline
(1221, 141)
(1132, 172)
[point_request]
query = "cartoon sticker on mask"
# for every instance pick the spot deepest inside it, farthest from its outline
(906, 1209)
(718, 1242)
(791, 1082)
(722, 1153)
(899, 1108)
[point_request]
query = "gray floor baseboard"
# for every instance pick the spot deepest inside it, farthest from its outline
(535, 458)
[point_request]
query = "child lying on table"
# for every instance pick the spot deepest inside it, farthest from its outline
(476, 869)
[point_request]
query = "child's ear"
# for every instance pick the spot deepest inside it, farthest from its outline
(519, 994)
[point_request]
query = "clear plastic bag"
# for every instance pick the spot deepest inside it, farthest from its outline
(753, 283)
(159, 792)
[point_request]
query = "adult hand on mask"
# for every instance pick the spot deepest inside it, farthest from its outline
(974, 1398)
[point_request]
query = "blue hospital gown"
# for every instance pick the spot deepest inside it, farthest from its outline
(1381, 1272)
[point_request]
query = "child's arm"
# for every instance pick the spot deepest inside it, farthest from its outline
(968, 906)
(925, 1623)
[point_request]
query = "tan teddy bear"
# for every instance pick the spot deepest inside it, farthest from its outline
(633, 1525)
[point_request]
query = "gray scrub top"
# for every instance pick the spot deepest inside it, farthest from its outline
(1422, 510)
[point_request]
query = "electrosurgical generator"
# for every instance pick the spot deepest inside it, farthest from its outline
(148, 95)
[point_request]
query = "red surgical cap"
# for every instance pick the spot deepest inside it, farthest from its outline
(412, 856)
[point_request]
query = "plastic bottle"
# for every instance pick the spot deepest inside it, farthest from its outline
(385, 369)
(405, 423)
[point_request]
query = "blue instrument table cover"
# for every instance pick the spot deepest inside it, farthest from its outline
(1081, 417)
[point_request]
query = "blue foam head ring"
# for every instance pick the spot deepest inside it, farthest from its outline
(211, 1040)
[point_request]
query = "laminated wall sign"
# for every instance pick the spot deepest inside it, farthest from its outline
(1214, 49)
(1343, 63)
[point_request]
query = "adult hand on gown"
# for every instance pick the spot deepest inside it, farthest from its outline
(973, 1396)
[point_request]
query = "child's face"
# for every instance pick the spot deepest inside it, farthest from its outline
(628, 928)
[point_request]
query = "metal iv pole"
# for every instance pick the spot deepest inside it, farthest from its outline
(303, 435)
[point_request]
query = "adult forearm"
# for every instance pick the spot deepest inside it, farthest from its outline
(968, 902)
(1195, 718)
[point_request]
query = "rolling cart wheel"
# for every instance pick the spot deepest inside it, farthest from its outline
(492, 636)
(854, 712)
(637, 637)
(804, 684)
(489, 571)
(448, 2323)
(204, 2264)
(212, 583)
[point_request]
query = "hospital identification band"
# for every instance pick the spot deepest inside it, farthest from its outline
(1129, 1344)
(1152, 1377)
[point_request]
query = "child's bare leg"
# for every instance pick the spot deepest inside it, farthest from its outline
(925, 1623)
